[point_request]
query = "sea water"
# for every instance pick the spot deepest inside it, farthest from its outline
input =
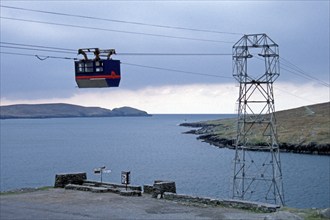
(33, 151)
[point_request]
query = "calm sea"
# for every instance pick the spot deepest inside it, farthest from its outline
(152, 148)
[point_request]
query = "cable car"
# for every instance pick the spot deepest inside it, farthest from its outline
(97, 73)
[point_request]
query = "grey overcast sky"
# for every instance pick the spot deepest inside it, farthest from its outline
(300, 28)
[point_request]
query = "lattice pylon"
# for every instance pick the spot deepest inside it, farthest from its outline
(257, 166)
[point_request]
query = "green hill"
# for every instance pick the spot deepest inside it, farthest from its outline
(301, 130)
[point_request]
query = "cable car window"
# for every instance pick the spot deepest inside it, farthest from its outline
(99, 66)
(81, 67)
(89, 67)
(99, 69)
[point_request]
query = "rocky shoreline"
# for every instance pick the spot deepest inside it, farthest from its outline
(206, 133)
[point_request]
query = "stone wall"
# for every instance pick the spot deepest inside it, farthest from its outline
(159, 188)
(61, 180)
(148, 189)
(264, 207)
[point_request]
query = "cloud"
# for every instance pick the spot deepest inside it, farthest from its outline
(289, 95)
(24, 77)
(186, 99)
(195, 98)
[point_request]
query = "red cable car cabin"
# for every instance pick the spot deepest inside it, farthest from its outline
(97, 73)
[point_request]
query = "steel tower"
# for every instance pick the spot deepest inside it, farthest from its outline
(257, 166)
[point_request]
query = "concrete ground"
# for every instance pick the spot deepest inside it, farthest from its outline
(69, 204)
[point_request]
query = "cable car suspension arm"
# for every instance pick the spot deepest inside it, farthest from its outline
(97, 53)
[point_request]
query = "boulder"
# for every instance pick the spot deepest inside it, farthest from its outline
(325, 213)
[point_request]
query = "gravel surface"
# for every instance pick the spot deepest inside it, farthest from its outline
(58, 203)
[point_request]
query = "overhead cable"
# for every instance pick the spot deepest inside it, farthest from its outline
(300, 71)
(297, 71)
(31, 45)
(174, 54)
(121, 21)
(41, 57)
(114, 30)
(36, 49)
(294, 95)
(174, 70)
(74, 51)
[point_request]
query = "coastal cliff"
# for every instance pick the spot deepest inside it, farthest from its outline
(300, 130)
(60, 110)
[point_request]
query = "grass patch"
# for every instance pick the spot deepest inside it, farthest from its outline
(306, 214)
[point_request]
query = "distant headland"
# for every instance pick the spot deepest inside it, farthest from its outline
(300, 130)
(62, 110)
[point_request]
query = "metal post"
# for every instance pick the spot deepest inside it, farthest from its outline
(125, 178)
(256, 175)
(100, 171)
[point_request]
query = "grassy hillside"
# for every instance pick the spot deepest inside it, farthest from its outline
(304, 130)
(305, 125)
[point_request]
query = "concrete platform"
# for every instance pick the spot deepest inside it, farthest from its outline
(58, 203)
